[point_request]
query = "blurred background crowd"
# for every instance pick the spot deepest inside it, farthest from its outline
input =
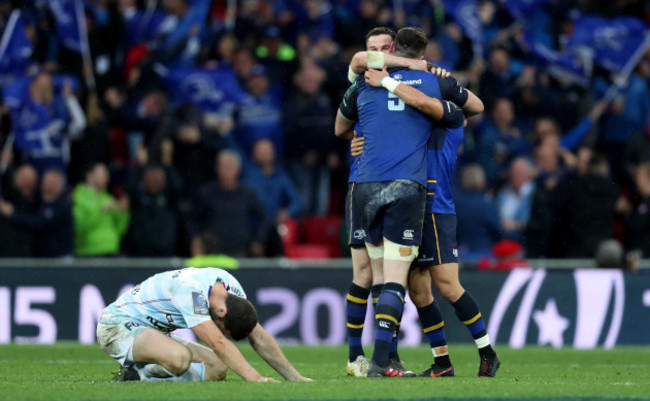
(191, 127)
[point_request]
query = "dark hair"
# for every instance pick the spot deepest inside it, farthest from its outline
(89, 168)
(410, 42)
(381, 30)
(241, 317)
(210, 243)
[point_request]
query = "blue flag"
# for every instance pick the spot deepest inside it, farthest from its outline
(523, 9)
(568, 64)
(15, 47)
(613, 41)
(69, 17)
(213, 90)
(465, 14)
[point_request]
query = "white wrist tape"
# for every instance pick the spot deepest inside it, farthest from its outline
(389, 83)
(375, 60)
(351, 75)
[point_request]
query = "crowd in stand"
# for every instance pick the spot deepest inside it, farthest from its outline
(205, 121)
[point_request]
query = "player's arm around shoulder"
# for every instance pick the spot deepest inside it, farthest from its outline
(210, 334)
(410, 95)
(265, 345)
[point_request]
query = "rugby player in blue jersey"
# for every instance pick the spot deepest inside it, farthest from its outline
(438, 255)
(136, 329)
(391, 180)
(358, 293)
(364, 283)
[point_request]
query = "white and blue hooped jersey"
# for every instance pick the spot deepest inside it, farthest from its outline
(172, 300)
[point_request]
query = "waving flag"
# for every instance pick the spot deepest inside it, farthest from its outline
(569, 64)
(69, 18)
(15, 47)
(209, 89)
(465, 14)
(613, 41)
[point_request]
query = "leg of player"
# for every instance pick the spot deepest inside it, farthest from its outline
(432, 323)
(445, 278)
(397, 259)
(152, 348)
(357, 305)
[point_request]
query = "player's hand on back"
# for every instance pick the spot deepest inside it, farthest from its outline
(439, 71)
(356, 146)
(374, 77)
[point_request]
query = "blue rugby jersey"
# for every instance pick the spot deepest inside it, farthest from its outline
(396, 134)
(441, 159)
(449, 89)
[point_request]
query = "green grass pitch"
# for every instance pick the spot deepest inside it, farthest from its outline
(68, 371)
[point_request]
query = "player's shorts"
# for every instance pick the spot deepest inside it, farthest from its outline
(439, 245)
(390, 209)
(116, 335)
(352, 222)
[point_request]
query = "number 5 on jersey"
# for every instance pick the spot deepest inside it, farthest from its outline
(394, 102)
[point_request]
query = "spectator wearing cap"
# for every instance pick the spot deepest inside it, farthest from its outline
(51, 224)
(478, 217)
(260, 114)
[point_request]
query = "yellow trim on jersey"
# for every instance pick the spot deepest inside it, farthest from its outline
(435, 230)
(432, 181)
(357, 300)
(430, 193)
(472, 320)
(375, 300)
(387, 317)
(434, 327)
(355, 326)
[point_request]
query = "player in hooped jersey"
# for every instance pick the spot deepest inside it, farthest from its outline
(136, 329)
(391, 180)
(438, 256)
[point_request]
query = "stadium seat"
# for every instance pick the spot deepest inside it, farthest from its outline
(324, 231)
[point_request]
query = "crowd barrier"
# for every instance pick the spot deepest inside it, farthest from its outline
(304, 302)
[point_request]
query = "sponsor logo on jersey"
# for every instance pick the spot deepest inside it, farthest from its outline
(200, 304)
(397, 76)
(408, 234)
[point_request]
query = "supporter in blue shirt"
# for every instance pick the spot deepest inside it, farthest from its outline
(478, 218)
(260, 115)
(273, 186)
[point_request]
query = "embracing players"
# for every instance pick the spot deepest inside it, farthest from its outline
(438, 255)
(391, 180)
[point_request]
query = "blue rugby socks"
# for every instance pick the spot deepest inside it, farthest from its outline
(357, 304)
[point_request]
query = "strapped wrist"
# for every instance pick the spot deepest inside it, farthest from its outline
(375, 60)
(389, 83)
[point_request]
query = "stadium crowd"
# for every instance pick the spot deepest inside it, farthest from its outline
(186, 119)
